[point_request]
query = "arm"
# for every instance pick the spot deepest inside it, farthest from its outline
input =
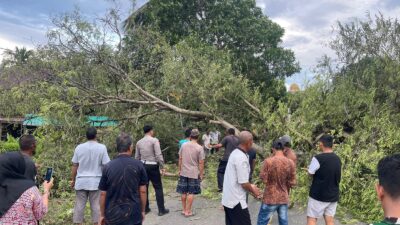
(103, 186)
(143, 190)
(252, 189)
(314, 166)
(202, 157)
(222, 144)
(103, 195)
(143, 199)
(242, 170)
(105, 158)
(40, 203)
(74, 168)
(137, 153)
(292, 178)
(201, 165)
(253, 164)
(180, 164)
(217, 146)
(264, 172)
(74, 171)
(159, 156)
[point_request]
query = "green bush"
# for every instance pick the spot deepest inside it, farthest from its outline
(11, 144)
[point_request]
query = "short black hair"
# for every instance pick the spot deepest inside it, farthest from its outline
(326, 140)
(287, 145)
(277, 145)
(389, 175)
(124, 142)
(188, 132)
(26, 142)
(147, 129)
(231, 131)
(195, 137)
(91, 133)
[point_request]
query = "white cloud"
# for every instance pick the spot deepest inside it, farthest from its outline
(309, 24)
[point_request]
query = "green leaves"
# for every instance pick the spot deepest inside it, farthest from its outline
(235, 27)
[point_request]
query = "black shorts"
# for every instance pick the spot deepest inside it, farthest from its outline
(188, 186)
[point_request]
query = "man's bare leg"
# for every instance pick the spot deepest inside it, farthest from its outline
(311, 221)
(329, 220)
(189, 204)
(183, 204)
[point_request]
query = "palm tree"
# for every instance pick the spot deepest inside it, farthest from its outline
(17, 57)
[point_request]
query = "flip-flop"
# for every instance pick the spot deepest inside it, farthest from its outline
(182, 213)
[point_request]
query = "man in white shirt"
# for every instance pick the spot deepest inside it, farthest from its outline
(236, 183)
(214, 139)
(88, 161)
(207, 142)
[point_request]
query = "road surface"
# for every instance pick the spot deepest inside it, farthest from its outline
(208, 212)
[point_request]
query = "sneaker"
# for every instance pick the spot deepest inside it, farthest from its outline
(147, 211)
(162, 213)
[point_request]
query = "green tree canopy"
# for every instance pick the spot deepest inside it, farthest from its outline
(237, 27)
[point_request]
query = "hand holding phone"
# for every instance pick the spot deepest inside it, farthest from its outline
(49, 174)
(48, 185)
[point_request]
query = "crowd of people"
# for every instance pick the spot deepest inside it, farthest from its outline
(117, 189)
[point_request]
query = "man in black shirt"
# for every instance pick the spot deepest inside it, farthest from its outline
(123, 187)
(230, 143)
(325, 169)
(27, 145)
(252, 160)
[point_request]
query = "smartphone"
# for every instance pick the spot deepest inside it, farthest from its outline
(49, 174)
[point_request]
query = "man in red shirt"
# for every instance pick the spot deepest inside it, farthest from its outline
(279, 176)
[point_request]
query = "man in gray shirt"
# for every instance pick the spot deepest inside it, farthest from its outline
(230, 143)
(88, 161)
(149, 152)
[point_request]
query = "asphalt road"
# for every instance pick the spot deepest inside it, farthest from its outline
(209, 212)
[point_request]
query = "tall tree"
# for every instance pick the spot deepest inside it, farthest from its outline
(238, 27)
(18, 56)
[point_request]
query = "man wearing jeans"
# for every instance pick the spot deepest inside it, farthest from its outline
(325, 169)
(148, 151)
(88, 161)
(279, 176)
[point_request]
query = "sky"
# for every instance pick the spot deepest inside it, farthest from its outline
(309, 24)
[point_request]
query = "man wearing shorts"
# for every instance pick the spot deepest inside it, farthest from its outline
(191, 172)
(325, 169)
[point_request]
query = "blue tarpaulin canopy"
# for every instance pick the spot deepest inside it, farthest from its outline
(95, 121)
(102, 121)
